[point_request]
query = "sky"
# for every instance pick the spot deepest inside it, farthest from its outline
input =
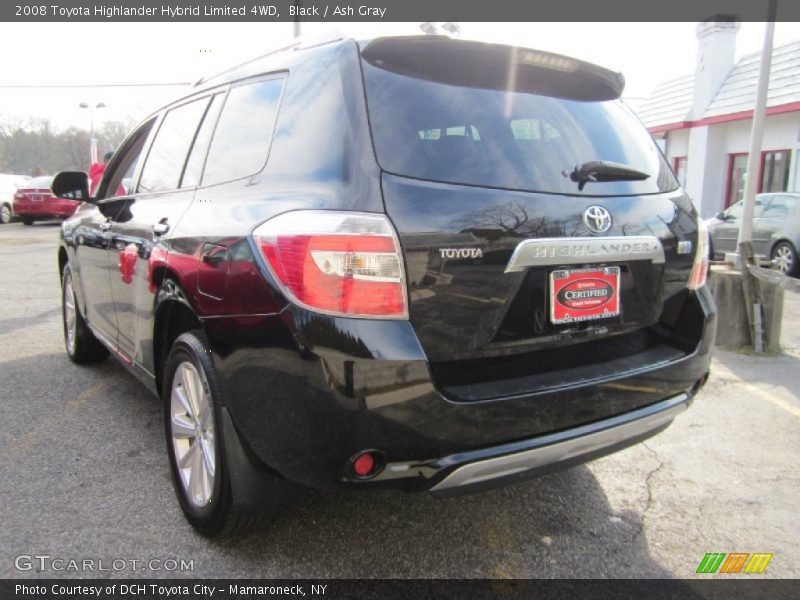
(119, 54)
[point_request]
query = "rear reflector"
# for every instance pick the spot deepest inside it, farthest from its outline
(363, 465)
(337, 263)
(700, 268)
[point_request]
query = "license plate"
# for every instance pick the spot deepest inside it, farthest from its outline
(36, 197)
(584, 294)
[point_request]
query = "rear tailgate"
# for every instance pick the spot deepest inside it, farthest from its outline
(475, 168)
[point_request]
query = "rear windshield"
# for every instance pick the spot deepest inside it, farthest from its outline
(512, 140)
(40, 183)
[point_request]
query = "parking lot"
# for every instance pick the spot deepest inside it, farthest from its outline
(85, 475)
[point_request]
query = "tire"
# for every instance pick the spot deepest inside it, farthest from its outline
(27, 221)
(202, 481)
(82, 346)
(784, 258)
(5, 214)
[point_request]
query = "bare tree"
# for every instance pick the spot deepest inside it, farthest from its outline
(31, 145)
(514, 219)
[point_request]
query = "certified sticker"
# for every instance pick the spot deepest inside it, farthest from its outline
(584, 294)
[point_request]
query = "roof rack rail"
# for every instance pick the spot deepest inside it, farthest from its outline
(326, 37)
(301, 43)
(294, 44)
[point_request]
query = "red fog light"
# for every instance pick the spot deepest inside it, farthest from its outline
(363, 465)
(367, 464)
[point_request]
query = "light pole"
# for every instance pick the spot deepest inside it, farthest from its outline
(92, 141)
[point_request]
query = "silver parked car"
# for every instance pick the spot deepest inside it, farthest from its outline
(776, 230)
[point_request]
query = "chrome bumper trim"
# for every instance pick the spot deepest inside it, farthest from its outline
(579, 250)
(583, 441)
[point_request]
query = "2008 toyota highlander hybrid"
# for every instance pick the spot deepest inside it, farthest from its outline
(412, 262)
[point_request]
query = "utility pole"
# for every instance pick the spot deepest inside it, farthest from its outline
(751, 287)
(757, 133)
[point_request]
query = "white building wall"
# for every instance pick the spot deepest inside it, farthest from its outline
(708, 149)
(678, 144)
(704, 168)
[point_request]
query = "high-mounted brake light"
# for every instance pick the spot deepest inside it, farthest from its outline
(700, 268)
(547, 60)
(338, 263)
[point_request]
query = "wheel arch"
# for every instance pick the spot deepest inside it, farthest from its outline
(172, 316)
(777, 241)
(63, 262)
(63, 258)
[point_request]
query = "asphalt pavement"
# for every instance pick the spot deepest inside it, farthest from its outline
(85, 477)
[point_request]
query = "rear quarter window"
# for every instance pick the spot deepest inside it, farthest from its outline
(243, 135)
(167, 156)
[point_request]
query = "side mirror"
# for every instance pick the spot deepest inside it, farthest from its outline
(721, 216)
(72, 185)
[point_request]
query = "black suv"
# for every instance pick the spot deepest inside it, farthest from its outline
(416, 262)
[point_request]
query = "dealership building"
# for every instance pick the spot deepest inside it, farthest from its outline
(703, 120)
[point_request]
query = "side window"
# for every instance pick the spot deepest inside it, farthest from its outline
(164, 164)
(734, 212)
(194, 164)
(780, 206)
(121, 181)
(244, 132)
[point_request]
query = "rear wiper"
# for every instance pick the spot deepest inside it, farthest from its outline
(601, 170)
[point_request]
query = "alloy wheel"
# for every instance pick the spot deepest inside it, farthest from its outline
(5, 214)
(783, 258)
(70, 319)
(193, 436)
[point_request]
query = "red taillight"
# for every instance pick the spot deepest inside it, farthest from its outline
(335, 262)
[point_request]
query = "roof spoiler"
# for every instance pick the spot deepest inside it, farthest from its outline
(494, 67)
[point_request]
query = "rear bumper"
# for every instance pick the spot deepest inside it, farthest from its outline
(510, 463)
(306, 393)
(45, 210)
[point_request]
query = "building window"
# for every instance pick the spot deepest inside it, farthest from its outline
(679, 166)
(774, 171)
(737, 172)
(773, 175)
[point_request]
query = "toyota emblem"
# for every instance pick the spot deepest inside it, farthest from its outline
(597, 219)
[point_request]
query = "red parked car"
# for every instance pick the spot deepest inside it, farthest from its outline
(36, 201)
